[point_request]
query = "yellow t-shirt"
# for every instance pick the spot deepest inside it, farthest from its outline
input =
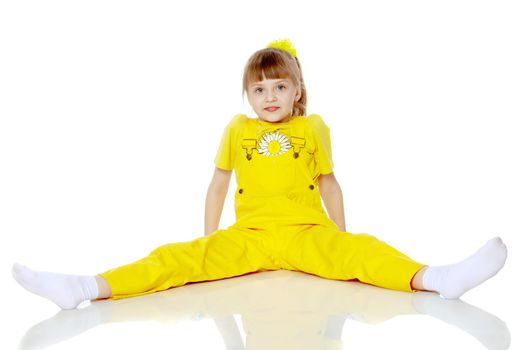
(317, 153)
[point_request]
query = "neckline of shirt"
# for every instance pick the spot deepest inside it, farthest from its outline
(286, 121)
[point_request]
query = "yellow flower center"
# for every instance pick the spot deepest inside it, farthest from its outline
(274, 147)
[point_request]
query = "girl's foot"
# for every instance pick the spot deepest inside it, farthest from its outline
(451, 281)
(67, 291)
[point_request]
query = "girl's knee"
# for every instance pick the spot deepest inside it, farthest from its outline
(160, 250)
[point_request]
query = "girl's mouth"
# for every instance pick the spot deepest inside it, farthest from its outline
(271, 109)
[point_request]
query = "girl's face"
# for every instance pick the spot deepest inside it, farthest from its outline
(273, 99)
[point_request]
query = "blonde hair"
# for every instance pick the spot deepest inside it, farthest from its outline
(273, 63)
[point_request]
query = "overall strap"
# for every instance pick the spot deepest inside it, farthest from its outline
(249, 139)
(297, 138)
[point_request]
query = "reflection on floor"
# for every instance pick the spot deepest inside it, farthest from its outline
(279, 310)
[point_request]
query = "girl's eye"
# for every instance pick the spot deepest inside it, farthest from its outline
(279, 87)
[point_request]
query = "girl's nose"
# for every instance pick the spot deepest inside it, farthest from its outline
(270, 97)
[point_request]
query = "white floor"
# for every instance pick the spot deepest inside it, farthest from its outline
(279, 310)
(104, 104)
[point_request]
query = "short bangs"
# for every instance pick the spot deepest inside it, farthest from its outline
(270, 64)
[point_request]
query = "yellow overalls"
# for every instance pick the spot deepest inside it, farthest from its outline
(280, 221)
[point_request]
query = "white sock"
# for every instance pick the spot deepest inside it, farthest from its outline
(67, 291)
(451, 281)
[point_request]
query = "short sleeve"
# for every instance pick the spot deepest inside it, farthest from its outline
(224, 159)
(323, 147)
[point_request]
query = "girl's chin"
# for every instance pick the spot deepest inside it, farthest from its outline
(272, 118)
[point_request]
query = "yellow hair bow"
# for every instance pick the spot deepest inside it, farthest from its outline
(283, 44)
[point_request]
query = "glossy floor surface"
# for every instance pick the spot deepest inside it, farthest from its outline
(278, 310)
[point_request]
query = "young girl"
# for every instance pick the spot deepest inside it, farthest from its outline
(283, 167)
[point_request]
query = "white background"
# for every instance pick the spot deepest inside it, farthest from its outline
(111, 113)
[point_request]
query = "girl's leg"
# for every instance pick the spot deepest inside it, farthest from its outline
(343, 255)
(223, 254)
(417, 280)
(333, 254)
(104, 290)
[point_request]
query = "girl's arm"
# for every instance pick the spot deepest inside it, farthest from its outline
(215, 199)
(333, 199)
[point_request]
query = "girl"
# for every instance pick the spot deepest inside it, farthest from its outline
(283, 167)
